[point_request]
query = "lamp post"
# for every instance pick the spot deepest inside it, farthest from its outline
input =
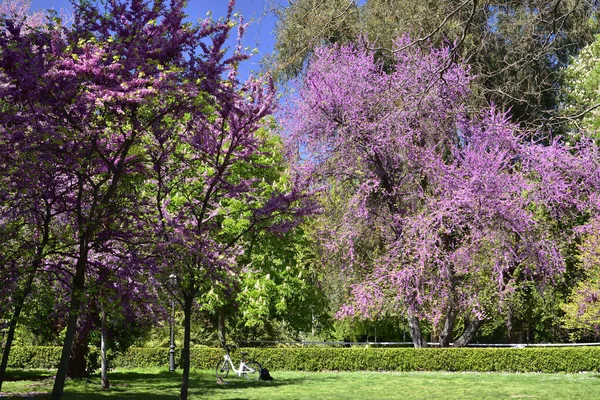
(172, 281)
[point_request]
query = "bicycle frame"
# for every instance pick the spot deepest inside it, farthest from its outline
(243, 369)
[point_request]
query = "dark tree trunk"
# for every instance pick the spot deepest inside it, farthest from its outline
(446, 334)
(471, 328)
(530, 331)
(77, 360)
(104, 366)
(221, 331)
(185, 352)
(19, 301)
(510, 329)
(415, 331)
(74, 310)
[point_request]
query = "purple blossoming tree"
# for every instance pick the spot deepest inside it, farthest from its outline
(124, 98)
(29, 203)
(454, 199)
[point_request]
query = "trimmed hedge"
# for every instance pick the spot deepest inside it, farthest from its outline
(565, 359)
(34, 357)
(142, 357)
(555, 359)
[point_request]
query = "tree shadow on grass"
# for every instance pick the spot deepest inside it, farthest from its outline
(237, 384)
(14, 375)
(164, 385)
(155, 386)
(146, 376)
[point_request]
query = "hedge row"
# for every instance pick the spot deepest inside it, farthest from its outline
(33, 357)
(562, 359)
(432, 359)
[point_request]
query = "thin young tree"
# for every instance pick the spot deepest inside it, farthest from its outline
(203, 181)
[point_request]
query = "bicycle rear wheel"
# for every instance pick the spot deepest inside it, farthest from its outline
(222, 369)
(252, 370)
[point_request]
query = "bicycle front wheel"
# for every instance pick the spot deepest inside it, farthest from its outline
(222, 369)
(252, 370)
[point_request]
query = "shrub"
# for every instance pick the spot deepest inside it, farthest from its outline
(142, 357)
(556, 359)
(34, 357)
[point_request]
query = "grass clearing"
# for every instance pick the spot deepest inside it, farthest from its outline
(156, 383)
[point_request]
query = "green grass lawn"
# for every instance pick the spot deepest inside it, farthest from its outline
(154, 384)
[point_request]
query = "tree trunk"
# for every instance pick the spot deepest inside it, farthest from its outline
(446, 334)
(415, 331)
(172, 337)
(77, 360)
(185, 352)
(530, 331)
(19, 302)
(104, 366)
(74, 310)
(221, 327)
(510, 329)
(471, 328)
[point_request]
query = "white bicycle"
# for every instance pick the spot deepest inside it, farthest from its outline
(249, 369)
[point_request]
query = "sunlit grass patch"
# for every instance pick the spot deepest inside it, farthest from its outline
(157, 383)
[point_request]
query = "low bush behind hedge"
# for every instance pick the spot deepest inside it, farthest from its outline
(550, 360)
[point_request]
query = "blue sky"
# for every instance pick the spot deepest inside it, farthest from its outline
(259, 35)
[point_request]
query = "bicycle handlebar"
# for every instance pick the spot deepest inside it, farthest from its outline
(229, 348)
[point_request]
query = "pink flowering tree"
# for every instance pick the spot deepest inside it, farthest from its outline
(452, 199)
(113, 105)
(30, 227)
(582, 308)
(18, 12)
(30, 192)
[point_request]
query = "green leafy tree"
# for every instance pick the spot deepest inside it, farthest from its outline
(517, 49)
(582, 309)
(274, 285)
(581, 97)
(279, 292)
(304, 25)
